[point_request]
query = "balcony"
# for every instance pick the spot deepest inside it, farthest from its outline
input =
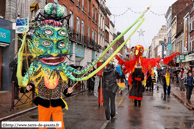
(82, 39)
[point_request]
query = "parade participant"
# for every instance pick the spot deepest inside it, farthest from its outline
(153, 81)
(109, 89)
(182, 76)
(189, 83)
(166, 82)
(121, 81)
(145, 62)
(148, 81)
(91, 81)
(136, 90)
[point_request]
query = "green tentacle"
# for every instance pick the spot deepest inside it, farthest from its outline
(106, 62)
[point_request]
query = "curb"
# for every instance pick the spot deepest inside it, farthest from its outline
(30, 109)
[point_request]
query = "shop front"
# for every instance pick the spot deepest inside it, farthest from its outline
(7, 34)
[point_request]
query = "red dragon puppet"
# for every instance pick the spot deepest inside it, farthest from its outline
(146, 63)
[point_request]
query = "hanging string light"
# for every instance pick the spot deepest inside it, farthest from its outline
(129, 9)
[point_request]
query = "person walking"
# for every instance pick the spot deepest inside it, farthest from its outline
(148, 81)
(182, 76)
(166, 82)
(121, 82)
(189, 83)
(136, 89)
(109, 89)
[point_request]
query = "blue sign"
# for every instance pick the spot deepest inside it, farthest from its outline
(21, 25)
(169, 46)
(5, 35)
(162, 44)
(22, 22)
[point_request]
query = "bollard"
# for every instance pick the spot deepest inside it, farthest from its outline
(12, 98)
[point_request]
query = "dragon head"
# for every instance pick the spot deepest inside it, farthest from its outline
(50, 40)
(138, 50)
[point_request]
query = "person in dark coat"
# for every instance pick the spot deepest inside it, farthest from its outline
(136, 89)
(148, 81)
(90, 82)
(13, 67)
(109, 89)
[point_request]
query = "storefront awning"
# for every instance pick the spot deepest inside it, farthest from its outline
(3, 44)
(34, 6)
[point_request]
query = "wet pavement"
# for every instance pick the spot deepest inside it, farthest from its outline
(154, 113)
(5, 103)
(24, 104)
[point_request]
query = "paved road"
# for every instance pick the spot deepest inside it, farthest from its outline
(155, 113)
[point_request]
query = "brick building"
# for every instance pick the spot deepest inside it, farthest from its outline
(118, 43)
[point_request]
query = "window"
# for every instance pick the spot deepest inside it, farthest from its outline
(77, 2)
(95, 37)
(78, 28)
(88, 7)
(96, 15)
(82, 5)
(93, 12)
(88, 34)
(82, 32)
(65, 10)
(92, 34)
(71, 21)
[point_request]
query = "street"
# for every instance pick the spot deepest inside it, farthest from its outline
(154, 113)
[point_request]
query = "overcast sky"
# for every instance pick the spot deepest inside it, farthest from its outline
(152, 24)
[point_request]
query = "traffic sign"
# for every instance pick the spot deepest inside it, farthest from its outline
(21, 24)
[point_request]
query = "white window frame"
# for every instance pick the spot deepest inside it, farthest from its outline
(89, 33)
(71, 20)
(82, 5)
(82, 31)
(92, 34)
(78, 28)
(95, 37)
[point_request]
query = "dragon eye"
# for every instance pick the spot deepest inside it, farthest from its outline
(61, 45)
(62, 32)
(47, 43)
(48, 32)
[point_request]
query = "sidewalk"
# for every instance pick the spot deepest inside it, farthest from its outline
(181, 95)
(6, 99)
(5, 104)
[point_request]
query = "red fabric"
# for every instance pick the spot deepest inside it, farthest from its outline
(100, 72)
(138, 79)
(100, 96)
(168, 59)
(182, 74)
(137, 98)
